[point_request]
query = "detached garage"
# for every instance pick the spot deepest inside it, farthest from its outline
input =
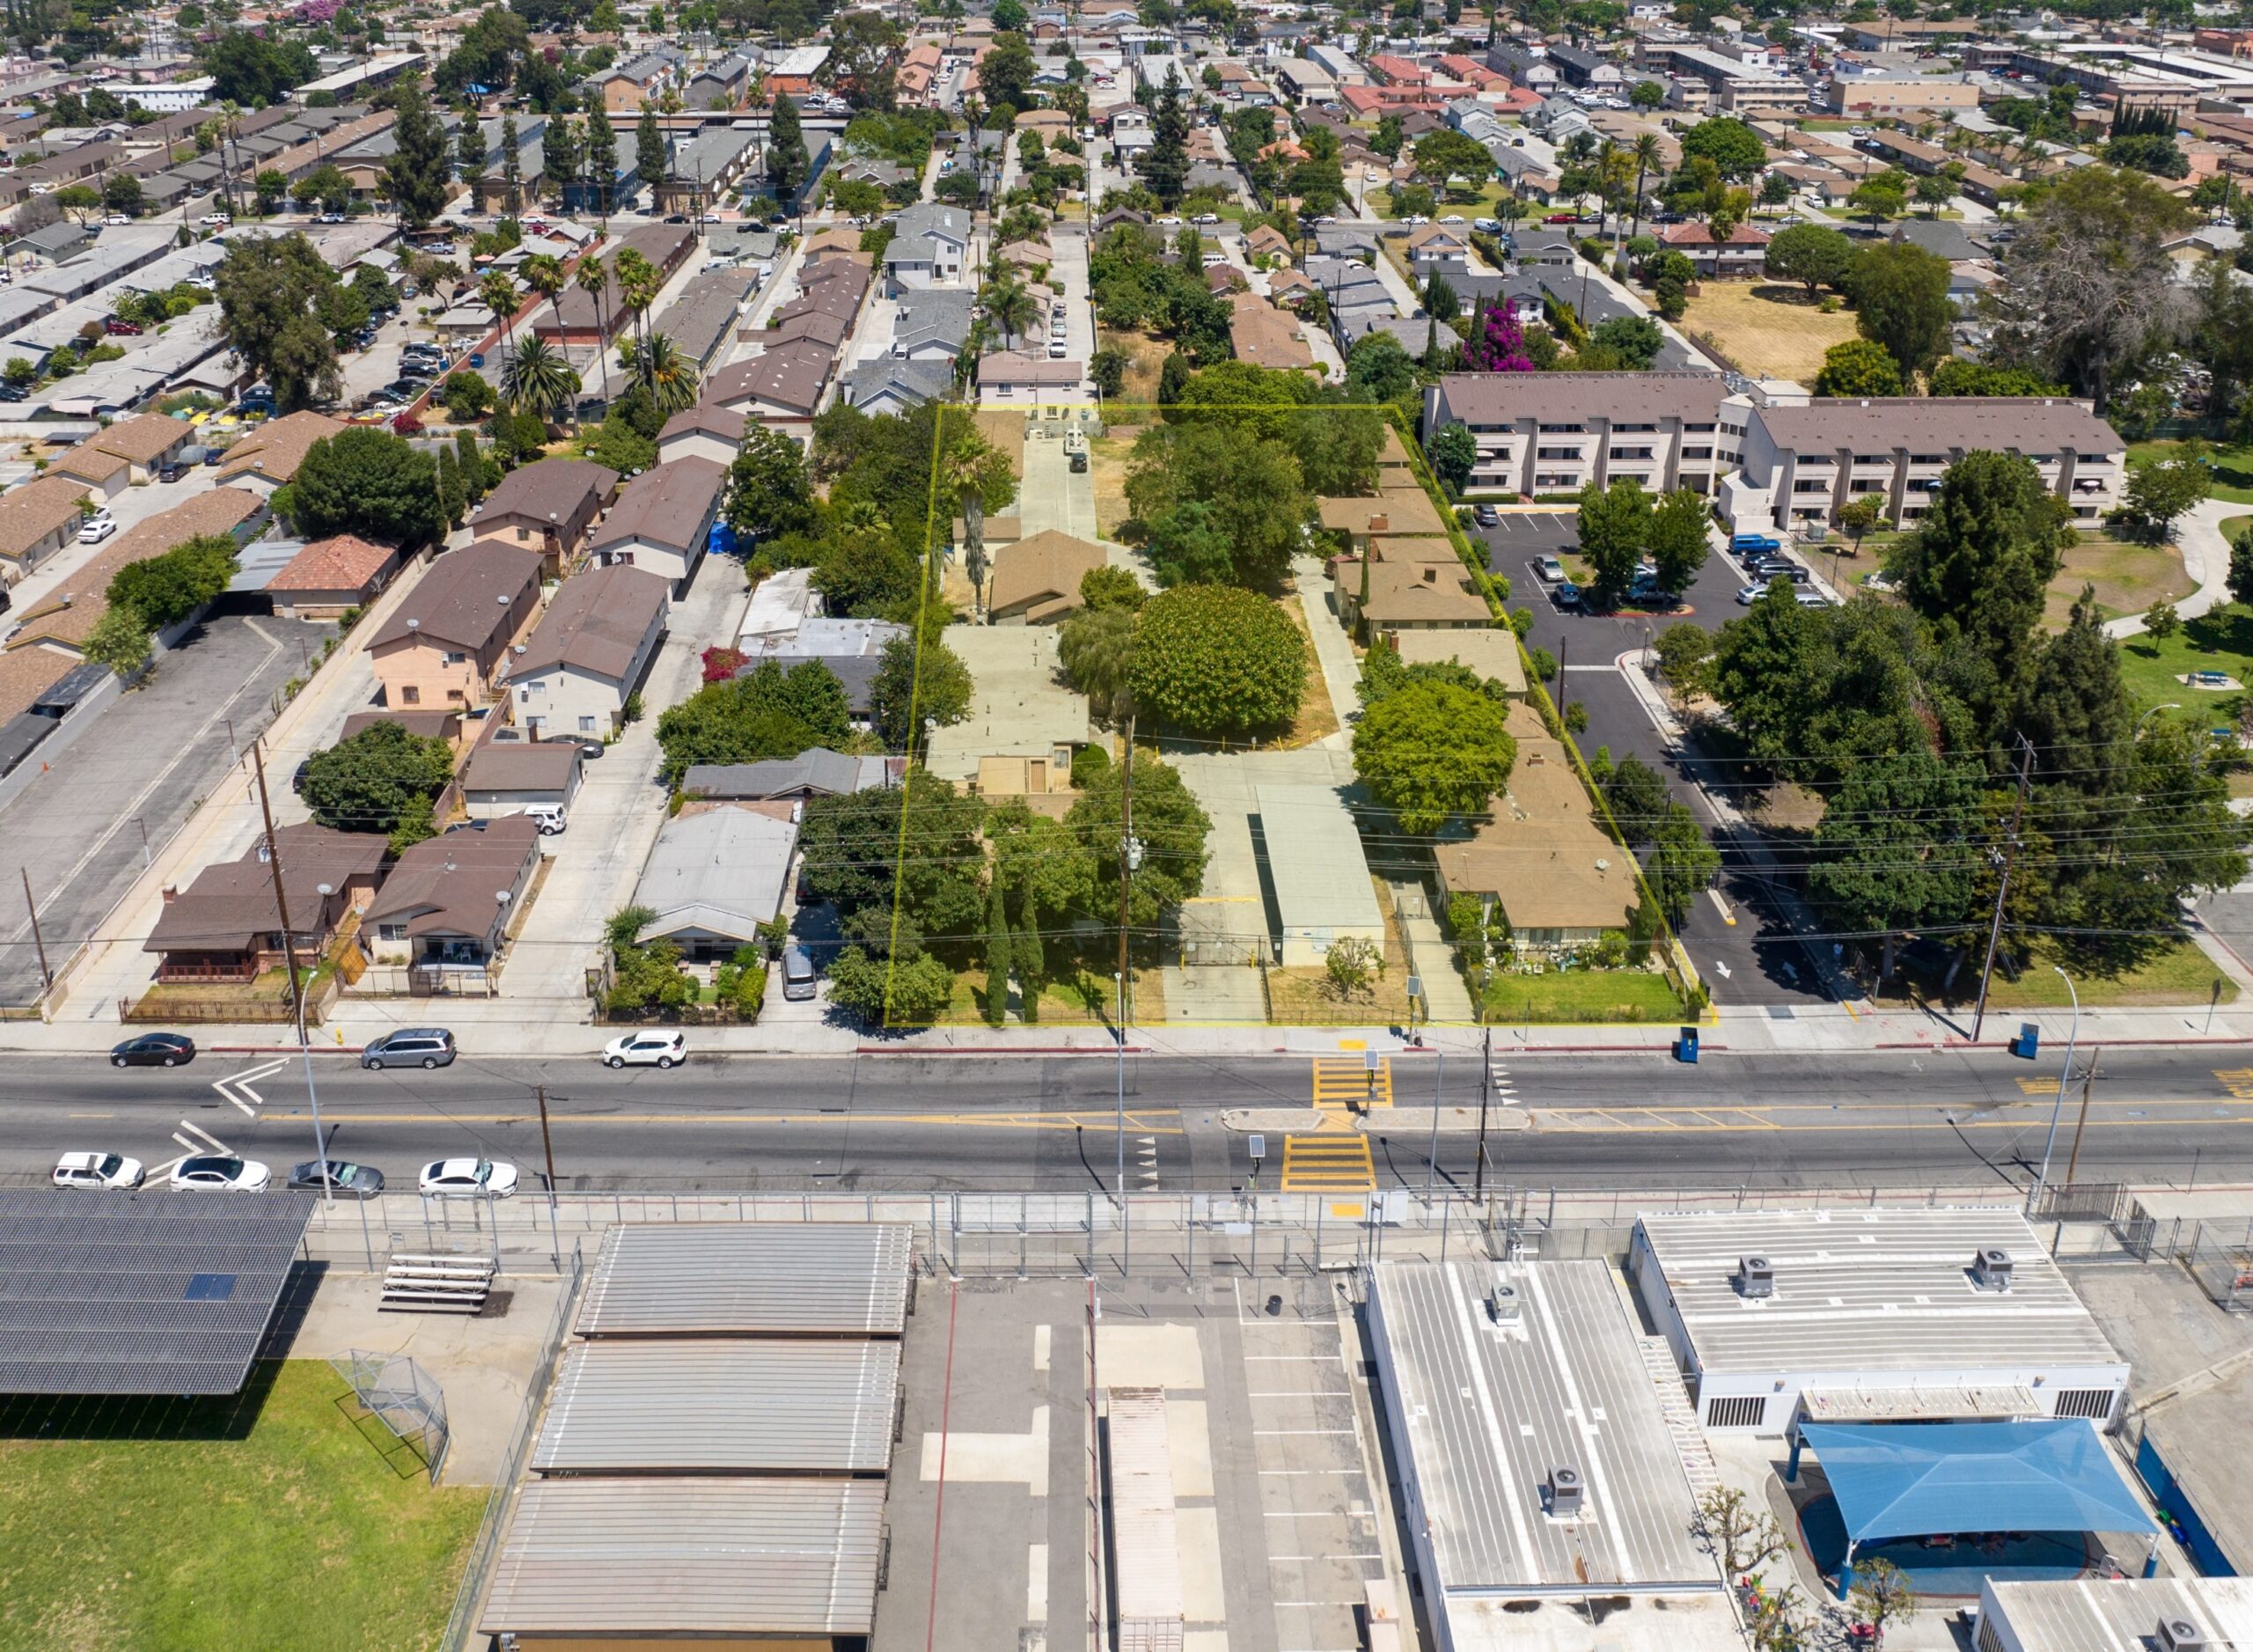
(509, 776)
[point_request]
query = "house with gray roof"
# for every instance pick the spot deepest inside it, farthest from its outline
(716, 873)
(817, 771)
(590, 651)
(892, 384)
(931, 246)
(662, 521)
(933, 323)
(851, 649)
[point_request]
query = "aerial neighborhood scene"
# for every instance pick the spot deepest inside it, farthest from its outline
(1455, 798)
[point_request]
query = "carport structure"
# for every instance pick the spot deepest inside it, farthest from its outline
(1915, 1480)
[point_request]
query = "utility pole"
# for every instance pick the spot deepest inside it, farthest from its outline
(39, 942)
(2087, 1078)
(1125, 870)
(289, 963)
(547, 1147)
(1486, 1084)
(2002, 887)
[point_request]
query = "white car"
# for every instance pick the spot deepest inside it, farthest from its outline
(214, 218)
(468, 1178)
(114, 219)
(1552, 570)
(1747, 594)
(1453, 218)
(97, 1170)
(96, 530)
(1208, 217)
(227, 1173)
(653, 1048)
(1170, 224)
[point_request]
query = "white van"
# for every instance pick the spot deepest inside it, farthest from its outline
(548, 816)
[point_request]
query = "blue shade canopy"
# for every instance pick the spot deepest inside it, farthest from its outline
(1911, 1479)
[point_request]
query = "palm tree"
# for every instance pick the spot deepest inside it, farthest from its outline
(593, 279)
(543, 273)
(668, 377)
(1647, 160)
(1013, 308)
(499, 293)
(639, 283)
(537, 379)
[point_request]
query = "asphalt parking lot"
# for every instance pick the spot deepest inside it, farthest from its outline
(1748, 952)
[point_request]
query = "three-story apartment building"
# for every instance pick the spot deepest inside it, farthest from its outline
(1553, 433)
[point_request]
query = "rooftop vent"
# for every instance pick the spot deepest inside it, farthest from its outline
(2180, 1635)
(1562, 1492)
(1991, 1269)
(1755, 1277)
(1505, 1304)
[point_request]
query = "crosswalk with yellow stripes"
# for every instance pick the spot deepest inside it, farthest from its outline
(1334, 1158)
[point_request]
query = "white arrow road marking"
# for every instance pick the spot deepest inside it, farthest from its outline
(204, 1141)
(1723, 967)
(228, 1086)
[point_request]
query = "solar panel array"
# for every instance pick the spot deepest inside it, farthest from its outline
(121, 1294)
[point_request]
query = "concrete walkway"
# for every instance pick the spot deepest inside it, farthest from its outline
(2205, 558)
(1445, 996)
(1333, 650)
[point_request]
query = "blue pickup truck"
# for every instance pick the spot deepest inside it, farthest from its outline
(1745, 542)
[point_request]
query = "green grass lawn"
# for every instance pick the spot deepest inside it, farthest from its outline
(1582, 995)
(1480, 203)
(2233, 465)
(2221, 640)
(2178, 974)
(281, 1517)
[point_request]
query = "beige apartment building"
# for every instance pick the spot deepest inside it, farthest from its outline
(1802, 463)
(1553, 433)
(443, 647)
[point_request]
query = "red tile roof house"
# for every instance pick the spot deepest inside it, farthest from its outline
(1745, 252)
(549, 506)
(330, 575)
(225, 925)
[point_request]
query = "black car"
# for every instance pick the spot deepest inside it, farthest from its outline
(154, 1049)
(466, 825)
(298, 780)
(590, 746)
(345, 1180)
(172, 472)
(1487, 516)
(14, 392)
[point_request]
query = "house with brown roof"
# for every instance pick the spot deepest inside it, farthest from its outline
(664, 520)
(66, 617)
(1020, 377)
(1745, 252)
(1435, 242)
(37, 520)
(443, 644)
(1036, 581)
(227, 926)
(590, 651)
(447, 903)
(1267, 241)
(330, 575)
(548, 506)
(506, 777)
(269, 456)
(781, 386)
(1265, 336)
(1389, 594)
(704, 431)
(1554, 874)
(1393, 513)
(129, 450)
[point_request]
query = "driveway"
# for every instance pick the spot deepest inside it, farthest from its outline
(143, 767)
(614, 818)
(1743, 942)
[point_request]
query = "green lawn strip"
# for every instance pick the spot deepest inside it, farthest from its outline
(1582, 996)
(2176, 973)
(2221, 640)
(2233, 466)
(283, 1518)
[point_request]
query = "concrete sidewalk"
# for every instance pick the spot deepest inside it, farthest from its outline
(2205, 558)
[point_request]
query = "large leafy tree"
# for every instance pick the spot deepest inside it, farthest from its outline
(1675, 538)
(1215, 660)
(1680, 864)
(1734, 147)
(1615, 524)
(1255, 488)
(168, 589)
(1097, 650)
(249, 70)
(1898, 847)
(273, 291)
(851, 848)
(769, 491)
(1982, 564)
(766, 713)
(369, 482)
(1901, 301)
(383, 779)
(1169, 827)
(787, 161)
(1812, 255)
(917, 684)
(1858, 367)
(1432, 751)
(420, 169)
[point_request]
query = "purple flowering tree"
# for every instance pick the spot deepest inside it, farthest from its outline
(1496, 344)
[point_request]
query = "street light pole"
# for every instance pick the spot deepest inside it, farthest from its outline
(289, 963)
(2064, 1078)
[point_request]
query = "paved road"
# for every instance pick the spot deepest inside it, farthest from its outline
(885, 1122)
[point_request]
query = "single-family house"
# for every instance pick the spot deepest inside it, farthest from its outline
(129, 450)
(269, 456)
(226, 926)
(590, 651)
(443, 644)
(1267, 241)
(662, 521)
(717, 873)
(1743, 254)
(781, 386)
(815, 772)
(1553, 874)
(330, 575)
(1025, 376)
(1433, 242)
(893, 384)
(1036, 580)
(38, 519)
(930, 246)
(448, 902)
